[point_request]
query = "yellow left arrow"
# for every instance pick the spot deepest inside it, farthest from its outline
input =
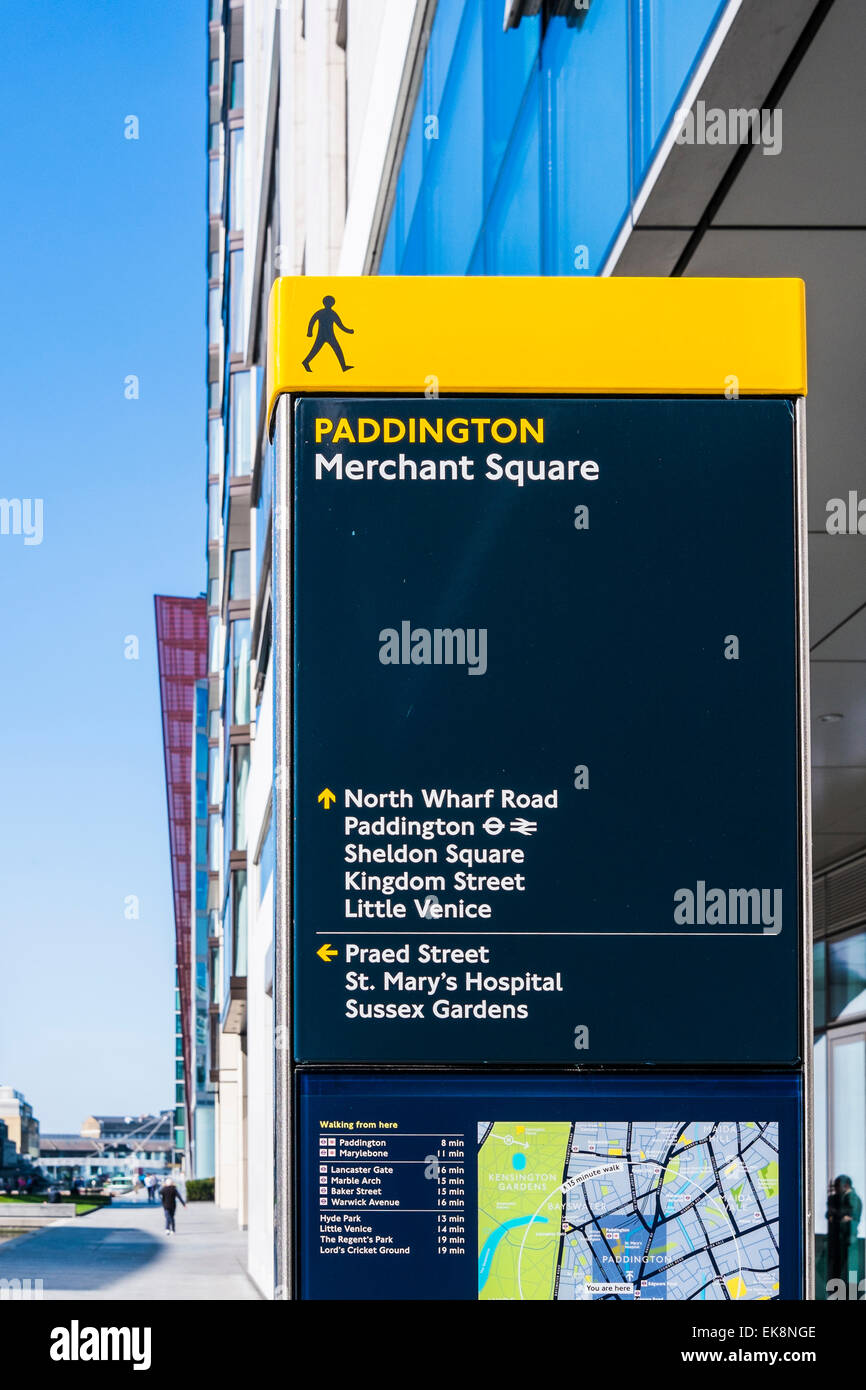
(327, 952)
(327, 796)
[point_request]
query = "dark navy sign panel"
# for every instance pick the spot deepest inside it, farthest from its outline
(539, 1188)
(548, 722)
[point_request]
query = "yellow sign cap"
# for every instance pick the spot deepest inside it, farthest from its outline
(519, 335)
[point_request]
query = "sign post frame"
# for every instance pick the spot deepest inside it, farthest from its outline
(645, 343)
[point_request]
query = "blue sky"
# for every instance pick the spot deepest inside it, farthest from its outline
(103, 276)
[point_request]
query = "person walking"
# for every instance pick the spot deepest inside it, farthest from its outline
(150, 1184)
(170, 1199)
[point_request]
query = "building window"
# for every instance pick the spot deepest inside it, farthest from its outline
(242, 777)
(214, 777)
(237, 86)
(214, 320)
(200, 891)
(236, 178)
(215, 444)
(240, 672)
(241, 450)
(239, 574)
(239, 914)
(846, 976)
(236, 302)
(214, 513)
(214, 187)
(214, 644)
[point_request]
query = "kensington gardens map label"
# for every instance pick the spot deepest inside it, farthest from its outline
(545, 782)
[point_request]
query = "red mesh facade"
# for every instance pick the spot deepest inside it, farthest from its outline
(181, 644)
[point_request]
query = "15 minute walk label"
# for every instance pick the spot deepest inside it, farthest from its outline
(545, 694)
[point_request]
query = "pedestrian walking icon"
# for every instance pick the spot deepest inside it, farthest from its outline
(325, 320)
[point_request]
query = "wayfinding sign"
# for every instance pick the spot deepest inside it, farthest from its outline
(546, 781)
(541, 789)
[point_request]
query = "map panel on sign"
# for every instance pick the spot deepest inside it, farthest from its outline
(619, 1210)
(550, 1188)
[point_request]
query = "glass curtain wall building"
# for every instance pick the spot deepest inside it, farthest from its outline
(528, 145)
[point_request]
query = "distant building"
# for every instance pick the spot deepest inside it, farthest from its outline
(110, 1145)
(22, 1127)
(8, 1151)
(135, 1128)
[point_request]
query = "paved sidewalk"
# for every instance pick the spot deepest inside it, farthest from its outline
(122, 1252)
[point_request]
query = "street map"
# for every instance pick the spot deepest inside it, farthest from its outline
(622, 1210)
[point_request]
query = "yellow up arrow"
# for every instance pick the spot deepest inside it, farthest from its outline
(327, 952)
(328, 797)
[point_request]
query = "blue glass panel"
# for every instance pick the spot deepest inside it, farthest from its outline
(443, 40)
(453, 177)
(586, 79)
(514, 222)
(201, 943)
(413, 262)
(201, 843)
(671, 38)
(201, 704)
(410, 178)
(509, 59)
(201, 890)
